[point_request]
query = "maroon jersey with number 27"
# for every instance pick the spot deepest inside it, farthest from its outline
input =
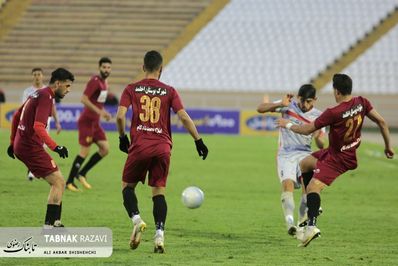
(345, 121)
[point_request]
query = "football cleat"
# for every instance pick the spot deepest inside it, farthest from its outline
(159, 243)
(30, 176)
(136, 235)
(58, 223)
(292, 230)
(72, 187)
(83, 181)
(304, 220)
(308, 234)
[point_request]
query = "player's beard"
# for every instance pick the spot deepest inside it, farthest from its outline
(59, 95)
(104, 75)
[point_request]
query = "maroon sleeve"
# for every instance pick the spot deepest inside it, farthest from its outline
(368, 106)
(125, 99)
(44, 108)
(325, 119)
(15, 122)
(176, 102)
(40, 130)
(91, 87)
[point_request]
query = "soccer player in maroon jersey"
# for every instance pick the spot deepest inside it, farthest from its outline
(28, 134)
(90, 130)
(322, 167)
(151, 143)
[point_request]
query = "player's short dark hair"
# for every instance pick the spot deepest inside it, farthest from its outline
(37, 69)
(61, 74)
(307, 91)
(104, 60)
(342, 83)
(153, 61)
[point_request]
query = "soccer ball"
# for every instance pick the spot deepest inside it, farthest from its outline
(192, 197)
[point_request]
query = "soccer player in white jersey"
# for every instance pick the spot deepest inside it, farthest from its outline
(294, 147)
(37, 84)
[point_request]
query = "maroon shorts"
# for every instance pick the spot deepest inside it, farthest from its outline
(328, 166)
(89, 132)
(38, 161)
(154, 160)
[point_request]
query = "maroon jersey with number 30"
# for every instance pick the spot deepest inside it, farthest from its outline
(96, 90)
(151, 101)
(345, 121)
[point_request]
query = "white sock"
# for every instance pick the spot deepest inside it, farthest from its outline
(136, 219)
(160, 232)
(288, 206)
(303, 208)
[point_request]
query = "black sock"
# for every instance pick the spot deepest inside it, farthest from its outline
(307, 178)
(77, 163)
(94, 159)
(51, 214)
(58, 214)
(159, 211)
(313, 204)
(130, 201)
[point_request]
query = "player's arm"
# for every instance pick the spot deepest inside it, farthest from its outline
(56, 119)
(382, 124)
(102, 112)
(124, 142)
(190, 126)
(272, 107)
(319, 138)
(121, 120)
(44, 108)
(14, 125)
(304, 129)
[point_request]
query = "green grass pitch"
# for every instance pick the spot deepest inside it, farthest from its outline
(240, 222)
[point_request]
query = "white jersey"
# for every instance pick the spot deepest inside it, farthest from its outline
(290, 141)
(29, 91)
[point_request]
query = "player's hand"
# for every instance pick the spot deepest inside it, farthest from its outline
(124, 143)
(62, 151)
(107, 116)
(58, 127)
(286, 100)
(10, 151)
(201, 148)
(389, 153)
(281, 122)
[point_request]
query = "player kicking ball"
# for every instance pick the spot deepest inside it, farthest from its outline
(324, 166)
(293, 148)
(28, 134)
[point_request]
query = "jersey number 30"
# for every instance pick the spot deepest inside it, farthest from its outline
(150, 109)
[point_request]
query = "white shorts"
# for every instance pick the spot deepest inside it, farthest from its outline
(288, 166)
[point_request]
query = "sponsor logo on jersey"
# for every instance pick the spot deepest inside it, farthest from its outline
(151, 90)
(353, 111)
